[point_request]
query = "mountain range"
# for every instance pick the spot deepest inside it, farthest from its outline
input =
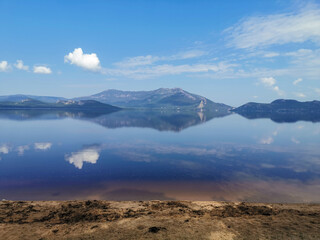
(163, 98)
(157, 99)
(60, 104)
(281, 110)
(166, 99)
(21, 97)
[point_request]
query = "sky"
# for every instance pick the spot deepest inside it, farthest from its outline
(229, 51)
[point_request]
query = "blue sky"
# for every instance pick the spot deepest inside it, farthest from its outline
(229, 51)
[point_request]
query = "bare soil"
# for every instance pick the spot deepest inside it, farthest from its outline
(157, 220)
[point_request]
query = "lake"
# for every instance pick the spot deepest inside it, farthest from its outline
(140, 155)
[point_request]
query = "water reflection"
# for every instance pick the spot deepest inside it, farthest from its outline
(88, 154)
(22, 149)
(4, 149)
(283, 117)
(229, 159)
(159, 120)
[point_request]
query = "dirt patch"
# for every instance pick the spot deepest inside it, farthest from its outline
(157, 220)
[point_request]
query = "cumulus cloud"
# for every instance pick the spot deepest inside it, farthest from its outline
(42, 146)
(295, 82)
(42, 70)
(293, 27)
(4, 66)
(89, 154)
(270, 82)
(89, 62)
(19, 65)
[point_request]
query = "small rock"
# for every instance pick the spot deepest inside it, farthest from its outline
(156, 229)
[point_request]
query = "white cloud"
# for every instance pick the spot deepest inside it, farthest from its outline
(89, 62)
(284, 28)
(167, 69)
(137, 61)
(4, 66)
(42, 70)
(306, 58)
(42, 146)
(271, 54)
(187, 55)
(89, 155)
(300, 95)
(277, 89)
(270, 82)
(299, 53)
(19, 65)
(317, 90)
(149, 59)
(295, 82)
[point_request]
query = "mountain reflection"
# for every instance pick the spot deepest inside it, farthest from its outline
(283, 117)
(160, 120)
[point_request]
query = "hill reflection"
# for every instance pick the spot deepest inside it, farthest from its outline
(283, 117)
(160, 120)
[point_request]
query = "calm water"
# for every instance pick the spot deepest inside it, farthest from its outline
(131, 155)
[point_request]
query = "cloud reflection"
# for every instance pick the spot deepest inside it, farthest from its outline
(267, 140)
(22, 149)
(42, 146)
(4, 149)
(89, 154)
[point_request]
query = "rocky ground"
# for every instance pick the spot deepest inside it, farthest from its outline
(157, 220)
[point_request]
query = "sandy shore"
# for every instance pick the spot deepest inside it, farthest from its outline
(157, 220)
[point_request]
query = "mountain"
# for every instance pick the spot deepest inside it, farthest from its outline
(163, 98)
(21, 97)
(282, 110)
(69, 104)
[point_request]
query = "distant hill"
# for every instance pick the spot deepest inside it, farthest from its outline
(282, 110)
(21, 97)
(280, 105)
(69, 104)
(162, 98)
